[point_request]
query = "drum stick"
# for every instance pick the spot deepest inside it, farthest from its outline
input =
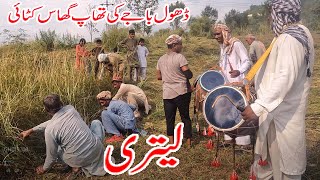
(230, 65)
(239, 107)
(258, 64)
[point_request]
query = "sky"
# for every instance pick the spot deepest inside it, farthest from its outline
(32, 27)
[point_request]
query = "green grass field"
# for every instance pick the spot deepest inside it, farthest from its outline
(27, 75)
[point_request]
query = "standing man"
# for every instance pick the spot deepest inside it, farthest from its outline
(69, 139)
(95, 52)
(173, 70)
(131, 94)
(117, 117)
(234, 63)
(131, 44)
(256, 48)
(143, 52)
(282, 86)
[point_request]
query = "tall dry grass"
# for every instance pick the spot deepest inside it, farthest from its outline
(26, 77)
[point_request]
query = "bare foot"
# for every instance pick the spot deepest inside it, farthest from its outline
(188, 143)
(75, 169)
(74, 173)
(170, 139)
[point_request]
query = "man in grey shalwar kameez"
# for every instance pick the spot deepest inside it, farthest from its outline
(282, 86)
(68, 138)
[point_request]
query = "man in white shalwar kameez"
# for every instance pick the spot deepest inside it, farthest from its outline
(282, 86)
(234, 63)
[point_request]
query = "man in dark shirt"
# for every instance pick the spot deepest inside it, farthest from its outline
(95, 52)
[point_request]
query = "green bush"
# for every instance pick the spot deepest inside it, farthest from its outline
(26, 77)
(200, 27)
(67, 41)
(113, 36)
(46, 39)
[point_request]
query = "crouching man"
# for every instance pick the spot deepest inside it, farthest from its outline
(117, 117)
(131, 94)
(68, 138)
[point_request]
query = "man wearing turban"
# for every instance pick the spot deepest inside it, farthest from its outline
(117, 117)
(282, 86)
(234, 63)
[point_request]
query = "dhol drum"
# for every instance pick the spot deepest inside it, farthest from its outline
(203, 84)
(221, 109)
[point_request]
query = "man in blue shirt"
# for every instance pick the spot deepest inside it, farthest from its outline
(117, 116)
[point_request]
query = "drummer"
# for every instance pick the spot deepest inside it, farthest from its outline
(234, 63)
(282, 99)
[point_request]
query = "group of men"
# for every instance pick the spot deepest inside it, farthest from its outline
(282, 85)
(136, 57)
(112, 62)
(71, 142)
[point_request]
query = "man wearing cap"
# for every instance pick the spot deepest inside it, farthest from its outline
(173, 70)
(113, 62)
(234, 63)
(256, 48)
(95, 52)
(283, 85)
(117, 117)
(69, 139)
(131, 94)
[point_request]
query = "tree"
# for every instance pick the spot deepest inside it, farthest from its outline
(67, 41)
(211, 13)
(47, 39)
(176, 22)
(200, 26)
(13, 38)
(191, 20)
(235, 19)
(90, 25)
(311, 13)
(148, 29)
(258, 19)
(139, 7)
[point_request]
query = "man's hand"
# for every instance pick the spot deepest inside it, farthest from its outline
(40, 170)
(234, 73)
(249, 115)
(216, 67)
(25, 134)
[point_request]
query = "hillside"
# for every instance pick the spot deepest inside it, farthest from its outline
(26, 76)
